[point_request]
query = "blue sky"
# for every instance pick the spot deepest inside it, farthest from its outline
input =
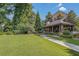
(44, 8)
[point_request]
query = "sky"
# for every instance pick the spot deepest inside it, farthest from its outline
(44, 8)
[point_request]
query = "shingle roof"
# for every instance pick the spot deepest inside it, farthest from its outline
(58, 22)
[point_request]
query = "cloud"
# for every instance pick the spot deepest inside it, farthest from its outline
(59, 5)
(62, 9)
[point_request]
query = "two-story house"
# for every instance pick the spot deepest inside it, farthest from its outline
(58, 23)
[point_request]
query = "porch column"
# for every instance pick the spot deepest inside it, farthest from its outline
(72, 28)
(52, 28)
(47, 29)
(61, 29)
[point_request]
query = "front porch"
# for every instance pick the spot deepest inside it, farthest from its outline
(59, 28)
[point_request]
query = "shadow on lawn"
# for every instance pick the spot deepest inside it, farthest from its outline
(72, 52)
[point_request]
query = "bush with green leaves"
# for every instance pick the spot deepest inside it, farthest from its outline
(67, 34)
(23, 29)
(76, 35)
(20, 29)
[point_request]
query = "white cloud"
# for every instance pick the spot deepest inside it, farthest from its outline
(59, 5)
(62, 9)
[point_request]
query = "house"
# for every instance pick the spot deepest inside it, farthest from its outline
(58, 23)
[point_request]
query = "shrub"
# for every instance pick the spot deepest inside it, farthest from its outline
(24, 28)
(76, 35)
(67, 34)
(17, 32)
(21, 29)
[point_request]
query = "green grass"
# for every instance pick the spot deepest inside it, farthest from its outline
(69, 40)
(31, 45)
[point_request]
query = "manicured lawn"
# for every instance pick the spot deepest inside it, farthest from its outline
(26, 45)
(69, 40)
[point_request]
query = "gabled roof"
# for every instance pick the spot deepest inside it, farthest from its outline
(57, 22)
(60, 12)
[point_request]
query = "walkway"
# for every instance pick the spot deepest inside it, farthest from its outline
(68, 45)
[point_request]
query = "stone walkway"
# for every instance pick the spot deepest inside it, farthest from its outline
(68, 45)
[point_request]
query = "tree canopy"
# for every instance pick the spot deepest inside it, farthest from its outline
(38, 23)
(23, 16)
(71, 16)
(24, 20)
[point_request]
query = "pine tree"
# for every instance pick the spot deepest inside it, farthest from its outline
(38, 23)
(71, 16)
(49, 15)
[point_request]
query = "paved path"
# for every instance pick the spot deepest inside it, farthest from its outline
(68, 45)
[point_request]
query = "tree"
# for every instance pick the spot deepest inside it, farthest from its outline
(23, 20)
(71, 16)
(48, 17)
(23, 15)
(42, 25)
(76, 23)
(3, 12)
(38, 23)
